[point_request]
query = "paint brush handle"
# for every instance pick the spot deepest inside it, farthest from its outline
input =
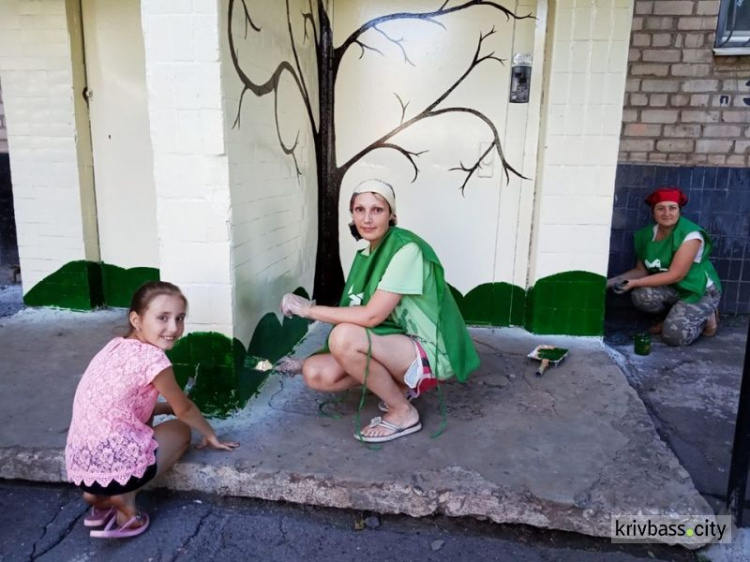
(191, 381)
(542, 367)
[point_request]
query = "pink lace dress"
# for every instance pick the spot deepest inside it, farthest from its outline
(108, 437)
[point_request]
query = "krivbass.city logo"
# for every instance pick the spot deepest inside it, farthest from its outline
(676, 529)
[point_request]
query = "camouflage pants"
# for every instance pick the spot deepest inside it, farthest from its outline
(684, 322)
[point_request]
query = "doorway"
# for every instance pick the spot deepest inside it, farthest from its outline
(120, 132)
(11, 295)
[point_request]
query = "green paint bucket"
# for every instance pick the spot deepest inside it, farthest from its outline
(642, 343)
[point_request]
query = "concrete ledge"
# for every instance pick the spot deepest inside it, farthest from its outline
(565, 451)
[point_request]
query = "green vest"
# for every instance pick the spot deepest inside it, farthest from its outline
(366, 274)
(657, 257)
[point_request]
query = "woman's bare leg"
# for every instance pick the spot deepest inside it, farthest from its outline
(322, 372)
(390, 357)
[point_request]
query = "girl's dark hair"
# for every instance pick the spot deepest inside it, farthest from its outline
(149, 291)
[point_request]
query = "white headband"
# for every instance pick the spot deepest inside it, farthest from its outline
(381, 188)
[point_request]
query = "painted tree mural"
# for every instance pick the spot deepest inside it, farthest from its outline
(329, 279)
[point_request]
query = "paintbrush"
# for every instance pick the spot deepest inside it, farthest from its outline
(191, 381)
(548, 355)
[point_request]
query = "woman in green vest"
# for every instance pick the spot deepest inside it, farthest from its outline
(397, 329)
(673, 273)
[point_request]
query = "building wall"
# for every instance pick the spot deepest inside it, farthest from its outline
(718, 200)
(686, 122)
(488, 224)
(117, 122)
(236, 222)
(191, 168)
(572, 186)
(274, 210)
(37, 69)
(684, 106)
(587, 45)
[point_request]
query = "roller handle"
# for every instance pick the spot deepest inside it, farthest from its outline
(542, 367)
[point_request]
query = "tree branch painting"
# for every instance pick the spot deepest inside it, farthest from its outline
(316, 26)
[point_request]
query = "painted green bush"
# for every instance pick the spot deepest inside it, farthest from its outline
(76, 285)
(273, 339)
(84, 285)
(216, 363)
(119, 284)
(570, 303)
(225, 374)
(493, 304)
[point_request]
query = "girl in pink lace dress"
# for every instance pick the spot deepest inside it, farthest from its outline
(112, 449)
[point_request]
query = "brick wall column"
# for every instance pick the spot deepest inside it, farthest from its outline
(586, 63)
(52, 195)
(183, 78)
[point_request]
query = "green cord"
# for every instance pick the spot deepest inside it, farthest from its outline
(443, 412)
(441, 397)
(324, 403)
(364, 394)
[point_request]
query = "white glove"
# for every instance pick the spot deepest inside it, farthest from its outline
(294, 305)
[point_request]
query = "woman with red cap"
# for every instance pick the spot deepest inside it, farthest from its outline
(673, 272)
(397, 329)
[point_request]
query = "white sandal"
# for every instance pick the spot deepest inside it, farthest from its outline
(397, 431)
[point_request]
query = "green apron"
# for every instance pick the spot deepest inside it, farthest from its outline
(365, 276)
(657, 257)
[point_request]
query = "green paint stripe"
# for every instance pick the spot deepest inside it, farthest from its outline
(76, 285)
(119, 284)
(84, 285)
(568, 303)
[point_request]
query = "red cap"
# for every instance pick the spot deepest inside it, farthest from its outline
(674, 194)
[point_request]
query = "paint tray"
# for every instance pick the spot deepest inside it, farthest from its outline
(548, 355)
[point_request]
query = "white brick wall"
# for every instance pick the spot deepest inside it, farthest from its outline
(38, 100)
(583, 114)
(191, 177)
(274, 211)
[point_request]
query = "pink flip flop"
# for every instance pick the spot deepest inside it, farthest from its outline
(97, 517)
(124, 531)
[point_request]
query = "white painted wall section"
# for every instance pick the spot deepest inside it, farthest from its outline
(37, 72)
(118, 116)
(587, 50)
(482, 235)
(191, 176)
(274, 209)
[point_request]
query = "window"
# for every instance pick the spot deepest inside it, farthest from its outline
(733, 29)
